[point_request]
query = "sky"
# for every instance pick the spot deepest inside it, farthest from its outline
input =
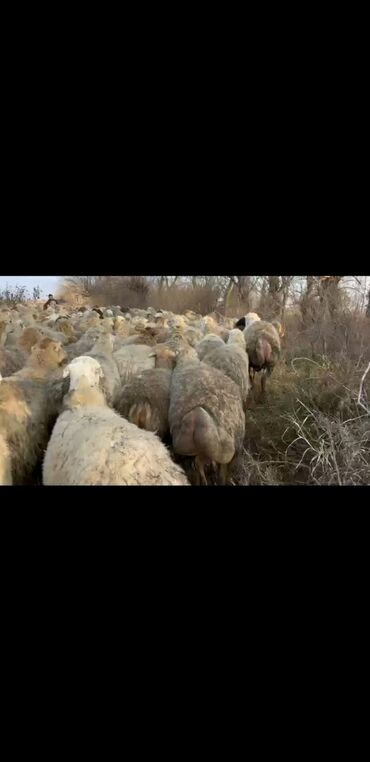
(48, 283)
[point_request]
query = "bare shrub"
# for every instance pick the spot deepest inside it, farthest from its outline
(201, 299)
(12, 297)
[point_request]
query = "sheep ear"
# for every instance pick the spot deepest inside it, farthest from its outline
(66, 371)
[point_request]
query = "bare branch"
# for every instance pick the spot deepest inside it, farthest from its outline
(360, 392)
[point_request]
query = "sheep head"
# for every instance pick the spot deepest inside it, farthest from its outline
(83, 371)
(236, 337)
(164, 356)
(48, 353)
(29, 338)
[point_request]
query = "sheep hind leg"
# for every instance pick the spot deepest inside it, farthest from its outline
(222, 474)
(199, 467)
(265, 373)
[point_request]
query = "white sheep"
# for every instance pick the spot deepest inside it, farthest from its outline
(102, 351)
(125, 455)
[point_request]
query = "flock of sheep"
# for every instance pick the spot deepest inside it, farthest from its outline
(125, 397)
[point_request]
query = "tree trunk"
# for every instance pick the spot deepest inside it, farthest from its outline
(228, 293)
(275, 295)
(368, 306)
(329, 293)
(244, 288)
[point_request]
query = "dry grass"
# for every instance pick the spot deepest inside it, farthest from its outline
(310, 430)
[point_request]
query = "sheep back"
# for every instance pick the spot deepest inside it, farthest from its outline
(126, 455)
(231, 360)
(145, 400)
(206, 414)
(263, 344)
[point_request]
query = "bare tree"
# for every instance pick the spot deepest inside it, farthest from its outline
(368, 305)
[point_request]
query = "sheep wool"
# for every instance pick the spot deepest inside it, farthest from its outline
(126, 456)
(211, 341)
(232, 360)
(263, 347)
(145, 400)
(131, 360)
(206, 414)
(102, 351)
(26, 413)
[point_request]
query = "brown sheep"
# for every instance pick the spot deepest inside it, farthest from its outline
(145, 400)
(263, 347)
(206, 415)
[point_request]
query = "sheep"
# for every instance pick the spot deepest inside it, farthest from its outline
(5, 329)
(89, 319)
(131, 360)
(54, 335)
(211, 341)
(206, 415)
(192, 336)
(263, 347)
(165, 357)
(121, 326)
(26, 412)
(145, 400)
(108, 323)
(120, 341)
(232, 359)
(209, 325)
(247, 320)
(116, 311)
(5, 460)
(85, 343)
(99, 312)
(126, 456)
(63, 325)
(11, 360)
(102, 351)
(28, 338)
(13, 332)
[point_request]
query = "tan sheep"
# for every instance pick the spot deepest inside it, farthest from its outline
(211, 341)
(26, 412)
(11, 360)
(84, 343)
(28, 338)
(165, 357)
(232, 359)
(121, 326)
(131, 360)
